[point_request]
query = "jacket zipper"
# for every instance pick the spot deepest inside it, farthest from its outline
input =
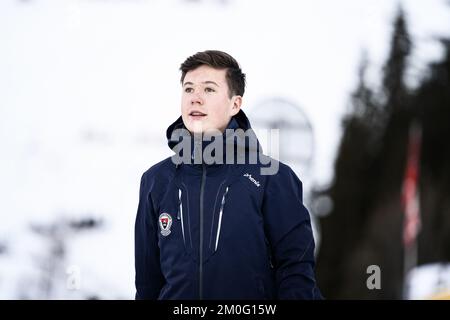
(180, 214)
(200, 271)
(220, 218)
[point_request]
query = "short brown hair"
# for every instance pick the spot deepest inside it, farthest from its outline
(218, 60)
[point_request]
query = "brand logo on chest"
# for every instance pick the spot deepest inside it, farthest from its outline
(249, 176)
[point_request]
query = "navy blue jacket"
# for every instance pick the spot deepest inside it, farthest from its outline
(222, 231)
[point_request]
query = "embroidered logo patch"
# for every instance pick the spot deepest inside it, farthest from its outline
(165, 223)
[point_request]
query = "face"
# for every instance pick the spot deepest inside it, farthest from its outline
(205, 102)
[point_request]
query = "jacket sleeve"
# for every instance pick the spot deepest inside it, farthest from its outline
(288, 229)
(149, 279)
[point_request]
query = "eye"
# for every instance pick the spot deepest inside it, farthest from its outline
(188, 90)
(208, 89)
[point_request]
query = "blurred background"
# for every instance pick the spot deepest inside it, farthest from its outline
(360, 91)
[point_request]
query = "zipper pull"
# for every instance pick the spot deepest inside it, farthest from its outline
(220, 218)
(223, 198)
(180, 214)
(179, 204)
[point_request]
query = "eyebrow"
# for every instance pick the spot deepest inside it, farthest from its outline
(205, 82)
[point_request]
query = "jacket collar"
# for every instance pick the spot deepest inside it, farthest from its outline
(248, 142)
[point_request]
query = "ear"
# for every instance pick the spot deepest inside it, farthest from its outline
(237, 102)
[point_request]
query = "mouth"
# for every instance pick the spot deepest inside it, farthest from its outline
(197, 115)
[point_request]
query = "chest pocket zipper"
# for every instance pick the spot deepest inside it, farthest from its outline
(180, 214)
(220, 219)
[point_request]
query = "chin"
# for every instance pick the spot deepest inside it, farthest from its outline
(195, 131)
(197, 127)
(206, 131)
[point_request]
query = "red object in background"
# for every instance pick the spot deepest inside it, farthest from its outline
(410, 191)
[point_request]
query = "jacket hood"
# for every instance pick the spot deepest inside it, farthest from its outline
(239, 121)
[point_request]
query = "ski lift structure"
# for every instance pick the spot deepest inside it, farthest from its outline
(296, 136)
(295, 145)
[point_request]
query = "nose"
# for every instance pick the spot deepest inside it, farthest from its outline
(196, 99)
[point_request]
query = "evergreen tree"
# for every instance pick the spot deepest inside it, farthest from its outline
(364, 227)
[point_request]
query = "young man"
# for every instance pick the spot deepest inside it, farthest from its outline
(220, 229)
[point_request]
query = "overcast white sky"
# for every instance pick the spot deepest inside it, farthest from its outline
(108, 70)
